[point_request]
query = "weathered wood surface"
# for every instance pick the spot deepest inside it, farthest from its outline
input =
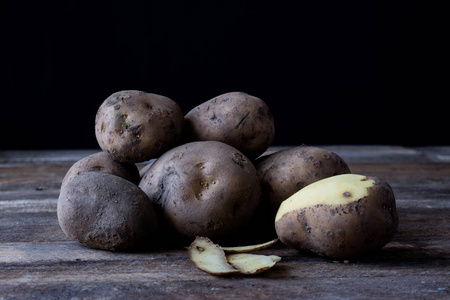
(37, 261)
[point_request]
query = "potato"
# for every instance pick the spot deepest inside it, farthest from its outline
(287, 171)
(104, 211)
(102, 162)
(134, 126)
(203, 188)
(343, 216)
(238, 119)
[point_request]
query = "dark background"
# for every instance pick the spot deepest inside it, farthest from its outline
(332, 72)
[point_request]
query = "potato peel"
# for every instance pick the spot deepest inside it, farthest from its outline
(252, 263)
(212, 258)
(244, 249)
(209, 257)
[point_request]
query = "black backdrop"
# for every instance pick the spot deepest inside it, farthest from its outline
(332, 72)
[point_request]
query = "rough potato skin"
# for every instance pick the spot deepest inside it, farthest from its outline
(102, 162)
(203, 189)
(105, 211)
(285, 172)
(135, 126)
(238, 119)
(343, 231)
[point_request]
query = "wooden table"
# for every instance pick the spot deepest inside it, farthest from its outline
(37, 261)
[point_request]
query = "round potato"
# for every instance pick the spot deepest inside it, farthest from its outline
(343, 216)
(134, 126)
(203, 189)
(104, 211)
(287, 171)
(102, 162)
(238, 119)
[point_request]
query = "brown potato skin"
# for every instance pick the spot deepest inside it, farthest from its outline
(104, 211)
(343, 231)
(285, 172)
(135, 126)
(203, 188)
(238, 119)
(102, 162)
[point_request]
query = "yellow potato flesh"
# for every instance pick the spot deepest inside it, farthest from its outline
(209, 257)
(335, 190)
(252, 263)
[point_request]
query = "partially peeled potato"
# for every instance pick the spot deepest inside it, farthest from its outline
(342, 216)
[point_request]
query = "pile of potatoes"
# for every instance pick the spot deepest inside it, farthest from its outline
(164, 178)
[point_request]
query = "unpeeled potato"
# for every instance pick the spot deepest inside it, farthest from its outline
(287, 171)
(135, 126)
(203, 189)
(237, 119)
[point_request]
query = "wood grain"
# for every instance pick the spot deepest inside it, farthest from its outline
(37, 261)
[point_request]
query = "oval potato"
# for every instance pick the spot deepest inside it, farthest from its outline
(135, 126)
(104, 211)
(343, 216)
(238, 119)
(203, 189)
(285, 172)
(102, 162)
